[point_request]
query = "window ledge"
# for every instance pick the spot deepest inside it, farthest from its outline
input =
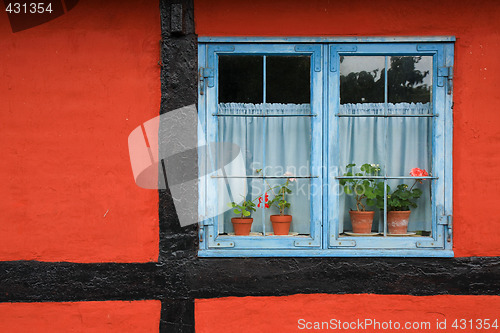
(438, 253)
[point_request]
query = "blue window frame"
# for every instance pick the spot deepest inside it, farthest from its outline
(314, 105)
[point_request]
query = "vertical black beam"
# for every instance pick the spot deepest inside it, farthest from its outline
(179, 59)
(177, 315)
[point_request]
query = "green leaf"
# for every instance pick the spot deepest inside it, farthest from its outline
(246, 213)
(237, 211)
(347, 190)
(417, 192)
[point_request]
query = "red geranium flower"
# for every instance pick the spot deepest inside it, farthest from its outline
(265, 200)
(416, 172)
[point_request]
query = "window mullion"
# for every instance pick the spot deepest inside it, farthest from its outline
(264, 121)
(386, 124)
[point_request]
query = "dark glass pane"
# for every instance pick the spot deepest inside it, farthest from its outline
(288, 79)
(410, 79)
(241, 79)
(362, 79)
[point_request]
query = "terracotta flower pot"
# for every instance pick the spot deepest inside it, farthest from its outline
(397, 221)
(361, 221)
(281, 224)
(242, 226)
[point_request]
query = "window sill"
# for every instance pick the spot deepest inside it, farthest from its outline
(223, 253)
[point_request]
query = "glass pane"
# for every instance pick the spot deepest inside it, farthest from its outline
(361, 140)
(409, 145)
(288, 147)
(362, 80)
(356, 198)
(410, 79)
(348, 204)
(241, 137)
(241, 79)
(238, 190)
(288, 79)
(420, 219)
(300, 204)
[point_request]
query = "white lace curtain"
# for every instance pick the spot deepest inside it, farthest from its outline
(409, 145)
(287, 148)
(287, 143)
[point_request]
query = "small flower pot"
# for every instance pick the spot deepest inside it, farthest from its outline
(361, 221)
(242, 226)
(281, 224)
(397, 222)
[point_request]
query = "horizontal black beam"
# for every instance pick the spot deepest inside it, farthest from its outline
(31, 281)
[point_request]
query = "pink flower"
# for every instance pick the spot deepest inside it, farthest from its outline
(260, 201)
(267, 197)
(288, 174)
(416, 172)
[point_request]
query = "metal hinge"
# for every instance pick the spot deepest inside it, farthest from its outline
(202, 225)
(445, 72)
(447, 220)
(205, 74)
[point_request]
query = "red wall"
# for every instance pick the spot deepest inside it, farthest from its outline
(71, 91)
(283, 314)
(476, 26)
(138, 316)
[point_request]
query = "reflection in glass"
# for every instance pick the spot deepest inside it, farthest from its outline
(409, 79)
(362, 79)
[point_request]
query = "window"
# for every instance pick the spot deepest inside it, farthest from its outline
(308, 114)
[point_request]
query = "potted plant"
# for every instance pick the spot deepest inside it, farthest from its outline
(367, 192)
(242, 224)
(401, 201)
(281, 223)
